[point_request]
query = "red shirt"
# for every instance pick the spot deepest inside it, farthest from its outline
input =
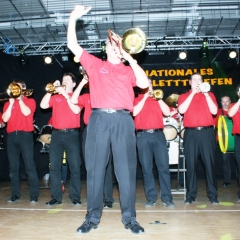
(236, 123)
(50, 121)
(84, 102)
(198, 113)
(1, 121)
(111, 85)
(151, 116)
(62, 115)
(18, 121)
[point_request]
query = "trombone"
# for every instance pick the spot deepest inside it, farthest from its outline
(14, 91)
(134, 40)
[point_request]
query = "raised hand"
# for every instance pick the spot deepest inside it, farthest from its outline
(79, 11)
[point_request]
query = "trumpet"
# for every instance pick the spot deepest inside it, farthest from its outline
(204, 87)
(156, 94)
(134, 40)
(14, 91)
(50, 88)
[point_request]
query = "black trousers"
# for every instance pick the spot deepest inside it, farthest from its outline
(151, 145)
(237, 155)
(200, 143)
(68, 141)
(108, 180)
(115, 129)
(21, 143)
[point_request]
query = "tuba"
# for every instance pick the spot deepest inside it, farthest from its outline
(134, 40)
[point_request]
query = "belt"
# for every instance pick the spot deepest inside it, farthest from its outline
(110, 110)
(149, 130)
(237, 134)
(66, 129)
(198, 128)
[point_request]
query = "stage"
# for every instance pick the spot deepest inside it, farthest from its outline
(200, 220)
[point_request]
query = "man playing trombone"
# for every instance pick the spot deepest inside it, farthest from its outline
(18, 114)
(111, 86)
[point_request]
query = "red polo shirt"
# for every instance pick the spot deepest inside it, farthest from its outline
(84, 102)
(62, 115)
(236, 123)
(111, 85)
(18, 121)
(151, 116)
(198, 113)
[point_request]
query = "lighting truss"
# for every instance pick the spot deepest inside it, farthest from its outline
(153, 45)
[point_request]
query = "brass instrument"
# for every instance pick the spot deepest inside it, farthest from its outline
(172, 100)
(134, 40)
(204, 87)
(14, 91)
(50, 88)
(156, 94)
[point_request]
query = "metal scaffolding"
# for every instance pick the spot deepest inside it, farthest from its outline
(94, 46)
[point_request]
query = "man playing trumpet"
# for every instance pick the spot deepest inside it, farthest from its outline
(18, 114)
(111, 86)
(199, 137)
(149, 109)
(65, 137)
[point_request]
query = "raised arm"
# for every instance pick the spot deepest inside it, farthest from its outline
(72, 43)
(76, 93)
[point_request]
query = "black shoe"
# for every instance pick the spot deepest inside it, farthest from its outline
(150, 203)
(86, 227)
(189, 200)
(53, 202)
(107, 204)
(14, 198)
(33, 199)
(134, 227)
(169, 204)
(76, 202)
(226, 184)
(214, 200)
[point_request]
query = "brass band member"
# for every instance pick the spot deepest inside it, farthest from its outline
(151, 142)
(199, 136)
(111, 86)
(18, 114)
(65, 136)
(234, 113)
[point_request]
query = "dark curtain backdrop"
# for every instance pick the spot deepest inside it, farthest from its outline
(36, 75)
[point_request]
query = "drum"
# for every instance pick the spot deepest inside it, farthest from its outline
(170, 128)
(36, 132)
(225, 138)
(45, 134)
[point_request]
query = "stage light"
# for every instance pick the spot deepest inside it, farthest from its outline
(232, 54)
(75, 59)
(47, 59)
(23, 58)
(203, 52)
(182, 55)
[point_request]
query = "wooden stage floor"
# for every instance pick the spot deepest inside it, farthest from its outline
(201, 220)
